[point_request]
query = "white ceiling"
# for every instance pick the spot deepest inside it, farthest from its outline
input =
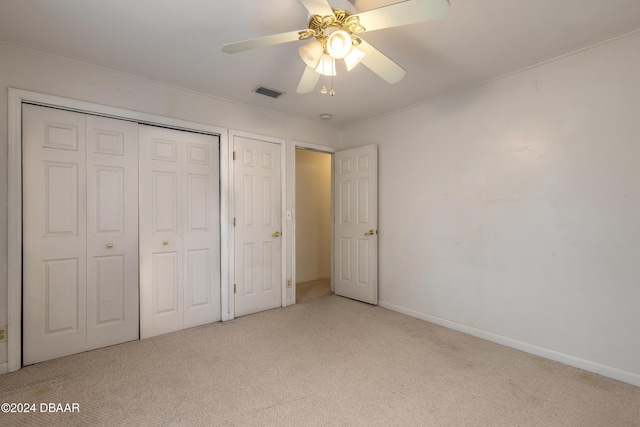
(179, 42)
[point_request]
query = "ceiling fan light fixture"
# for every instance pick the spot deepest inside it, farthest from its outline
(311, 53)
(339, 44)
(327, 66)
(353, 58)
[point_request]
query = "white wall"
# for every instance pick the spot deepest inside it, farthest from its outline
(512, 210)
(34, 71)
(313, 215)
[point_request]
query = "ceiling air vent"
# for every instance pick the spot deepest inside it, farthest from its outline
(268, 92)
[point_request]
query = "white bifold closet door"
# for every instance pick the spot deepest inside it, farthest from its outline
(179, 230)
(80, 235)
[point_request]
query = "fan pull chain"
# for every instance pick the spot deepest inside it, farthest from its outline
(333, 65)
(323, 88)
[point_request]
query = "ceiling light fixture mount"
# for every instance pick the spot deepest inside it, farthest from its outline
(341, 20)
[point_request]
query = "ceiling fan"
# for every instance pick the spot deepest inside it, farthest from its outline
(336, 35)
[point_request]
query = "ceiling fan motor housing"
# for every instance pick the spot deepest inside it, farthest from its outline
(325, 28)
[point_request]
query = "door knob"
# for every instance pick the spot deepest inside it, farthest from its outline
(276, 234)
(166, 242)
(370, 233)
(109, 245)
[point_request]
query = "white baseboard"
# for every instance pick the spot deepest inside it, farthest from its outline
(607, 371)
(4, 368)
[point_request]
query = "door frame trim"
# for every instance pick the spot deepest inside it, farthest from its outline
(322, 149)
(16, 97)
(231, 301)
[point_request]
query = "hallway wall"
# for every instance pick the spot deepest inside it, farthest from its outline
(313, 215)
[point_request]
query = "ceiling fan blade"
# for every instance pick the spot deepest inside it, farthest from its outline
(380, 64)
(317, 7)
(261, 42)
(404, 13)
(308, 81)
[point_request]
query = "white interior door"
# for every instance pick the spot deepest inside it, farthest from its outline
(179, 230)
(54, 234)
(356, 223)
(112, 231)
(80, 205)
(160, 231)
(258, 222)
(201, 229)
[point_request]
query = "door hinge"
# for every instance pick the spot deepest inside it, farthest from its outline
(234, 155)
(234, 288)
(234, 222)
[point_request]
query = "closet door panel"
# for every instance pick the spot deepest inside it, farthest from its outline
(161, 297)
(112, 228)
(54, 234)
(201, 229)
(179, 229)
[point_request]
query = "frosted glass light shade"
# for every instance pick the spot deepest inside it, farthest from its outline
(327, 66)
(339, 44)
(311, 53)
(353, 58)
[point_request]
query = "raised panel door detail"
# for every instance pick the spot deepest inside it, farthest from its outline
(165, 205)
(197, 154)
(61, 136)
(248, 268)
(109, 189)
(363, 262)
(345, 258)
(267, 266)
(363, 201)
(165, 282)
(198, 202)
(363, 163)
(247, 200)
(61, 285)
(345, 165)
(110, 283)
(164, 150)
(198, 277)
(267, 202)
(345, 202)
(108, 142)
(61, 199)
(247, 157)
(267, 160)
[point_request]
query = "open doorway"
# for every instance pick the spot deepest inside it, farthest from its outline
(313, 224)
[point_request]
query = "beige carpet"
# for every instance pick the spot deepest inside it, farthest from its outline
(329, 361)
(309, 291)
